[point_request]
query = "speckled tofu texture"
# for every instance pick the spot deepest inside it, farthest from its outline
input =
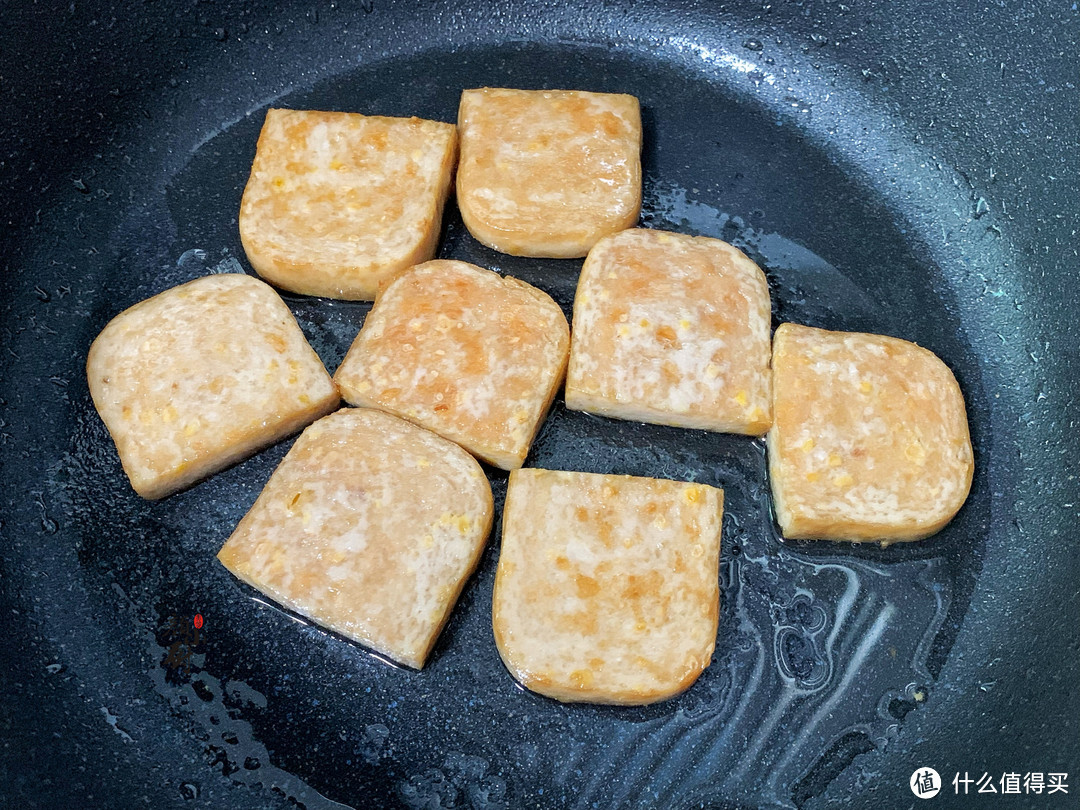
(370, 527)
(870, 439)
(339, 202)
(672, 329)
(607, 589)
(201, 376)
(464, 352)
(548, 172)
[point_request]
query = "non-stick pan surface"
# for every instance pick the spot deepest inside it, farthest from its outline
(894, 168)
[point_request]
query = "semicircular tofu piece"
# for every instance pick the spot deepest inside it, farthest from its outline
(370, 526)
(339, 202)
(547, 173)
(674, 330)
(607, 588)
(201, 376)
(472, 355)
(869, 439)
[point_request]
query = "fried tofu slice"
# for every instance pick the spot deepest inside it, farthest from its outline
(201, 376)
(674, 330)
(464, 352)
(548, 172)
(370, 527)
(870, 439)
(338, 202)
(607, 588)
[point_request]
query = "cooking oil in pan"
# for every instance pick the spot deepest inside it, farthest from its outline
(822, 649)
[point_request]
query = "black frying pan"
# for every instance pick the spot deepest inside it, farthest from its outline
(894, 168)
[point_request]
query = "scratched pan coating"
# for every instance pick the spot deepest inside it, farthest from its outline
(838, 669)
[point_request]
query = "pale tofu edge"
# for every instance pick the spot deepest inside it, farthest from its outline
(155, 489)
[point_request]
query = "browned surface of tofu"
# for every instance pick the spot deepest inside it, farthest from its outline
(370, 527)
(338, 202)
(870, 439)
(548, 172)
(464, 352)
(607, 589)
(672, 329)
(201, 376)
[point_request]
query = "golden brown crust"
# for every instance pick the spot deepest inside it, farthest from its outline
(462, 351)
(547, 173)
(870, 438)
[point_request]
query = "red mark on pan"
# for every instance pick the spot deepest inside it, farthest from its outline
(197, 621)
